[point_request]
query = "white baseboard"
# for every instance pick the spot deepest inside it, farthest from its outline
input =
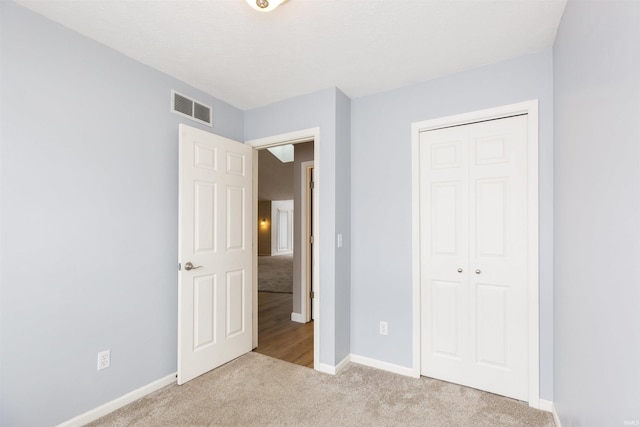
(328, 369)
(385, 366)
(545, 405)
(343, 363)
(118, 403)
(297, 317)
(556, 418)
(323, 367)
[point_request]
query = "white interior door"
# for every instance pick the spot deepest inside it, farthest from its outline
(473, 245)
(215, 295)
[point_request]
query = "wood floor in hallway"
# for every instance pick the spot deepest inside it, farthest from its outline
(278, 335)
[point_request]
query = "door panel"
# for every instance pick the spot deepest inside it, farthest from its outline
(474, 240)
(445, 300)
(491, 332)
(236, 288)
(205, 217)
(445, 219)
(204, 298)
(236, 225)
(491, 201)
(214, 298)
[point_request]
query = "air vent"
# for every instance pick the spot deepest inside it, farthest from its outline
(188, 107)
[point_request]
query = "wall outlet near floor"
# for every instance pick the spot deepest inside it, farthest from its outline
(104, 359)
(384, 328)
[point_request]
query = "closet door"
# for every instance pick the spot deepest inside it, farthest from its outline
(474, 255)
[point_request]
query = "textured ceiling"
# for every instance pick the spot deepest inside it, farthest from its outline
(250, 59)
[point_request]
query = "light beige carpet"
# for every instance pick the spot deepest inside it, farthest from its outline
(256, 390)
(275, 273)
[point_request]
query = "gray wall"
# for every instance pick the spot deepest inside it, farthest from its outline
(318, 109)
(89, 175)
(264, 231)
(597, 214)
(88, 216)
(381, 197)
(275, 179)
(302, 153)
(343, 226)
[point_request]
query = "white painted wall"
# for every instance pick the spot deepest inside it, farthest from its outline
(597, 214)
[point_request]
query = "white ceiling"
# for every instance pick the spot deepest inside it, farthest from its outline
(250, 59)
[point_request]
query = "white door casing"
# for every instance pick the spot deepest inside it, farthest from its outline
(478, 329)
(306, 248)
(305, 135)
(215, 219)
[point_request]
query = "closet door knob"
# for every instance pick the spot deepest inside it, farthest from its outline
(478, 271)
(459, 270)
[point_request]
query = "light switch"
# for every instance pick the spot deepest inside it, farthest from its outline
(339, 240)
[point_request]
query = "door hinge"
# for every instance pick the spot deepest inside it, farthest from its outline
(179, 266)
(311, 239)
(312, 295)
(312, 184)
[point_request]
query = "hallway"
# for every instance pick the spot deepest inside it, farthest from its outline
(278, 335)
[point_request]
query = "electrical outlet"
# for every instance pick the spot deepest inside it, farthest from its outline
(384, 328)
(104, 359)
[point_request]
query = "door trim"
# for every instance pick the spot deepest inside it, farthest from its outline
(305, 234)
(531, 109)
(305, 135)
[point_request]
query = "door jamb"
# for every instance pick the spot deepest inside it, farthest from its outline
(304, 241)
(305, 135)
(530, 108)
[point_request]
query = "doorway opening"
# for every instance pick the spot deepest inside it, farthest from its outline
(285, 309)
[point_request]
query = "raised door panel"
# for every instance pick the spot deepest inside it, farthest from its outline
(445, 218)
(491, 325)
(235, 213)
(491, 206)
(446, 318)
(204, 318)
(235, 308)
(204, 217)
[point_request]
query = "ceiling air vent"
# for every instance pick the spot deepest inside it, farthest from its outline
(188, 107)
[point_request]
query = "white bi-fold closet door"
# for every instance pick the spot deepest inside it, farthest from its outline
(473, 225)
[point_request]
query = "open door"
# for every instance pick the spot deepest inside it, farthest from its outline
(214, 251)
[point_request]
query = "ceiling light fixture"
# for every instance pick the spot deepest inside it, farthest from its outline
(265, 5)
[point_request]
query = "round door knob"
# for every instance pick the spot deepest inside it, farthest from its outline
(459, 270)
(478, 271)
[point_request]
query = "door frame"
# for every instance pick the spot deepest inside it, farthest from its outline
(304, 135)
(305, 244)
(531, 109)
